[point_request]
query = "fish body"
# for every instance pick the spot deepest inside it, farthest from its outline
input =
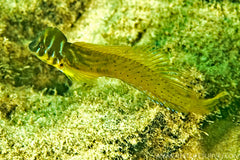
(142, 67)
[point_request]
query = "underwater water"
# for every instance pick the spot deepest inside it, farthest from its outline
(46, 115)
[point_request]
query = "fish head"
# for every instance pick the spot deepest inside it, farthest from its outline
(49, 45)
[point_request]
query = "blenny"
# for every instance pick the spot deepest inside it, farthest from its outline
(142, 67)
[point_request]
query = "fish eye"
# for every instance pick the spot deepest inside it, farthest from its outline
(41, 45)
(61, 64)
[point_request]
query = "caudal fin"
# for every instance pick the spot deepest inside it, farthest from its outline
(208, 105)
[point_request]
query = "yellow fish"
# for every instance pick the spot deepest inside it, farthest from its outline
(142, 67)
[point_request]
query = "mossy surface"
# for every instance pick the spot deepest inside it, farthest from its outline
(43, 115)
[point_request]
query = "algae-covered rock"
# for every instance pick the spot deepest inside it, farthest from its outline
(43, 115)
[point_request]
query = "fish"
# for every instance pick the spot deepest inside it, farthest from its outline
(142, 67)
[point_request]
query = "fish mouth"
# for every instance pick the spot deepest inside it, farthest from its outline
(33, 46)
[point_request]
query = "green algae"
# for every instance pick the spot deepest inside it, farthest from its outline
(45, 116)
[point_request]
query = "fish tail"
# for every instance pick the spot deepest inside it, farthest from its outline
(208, 105)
